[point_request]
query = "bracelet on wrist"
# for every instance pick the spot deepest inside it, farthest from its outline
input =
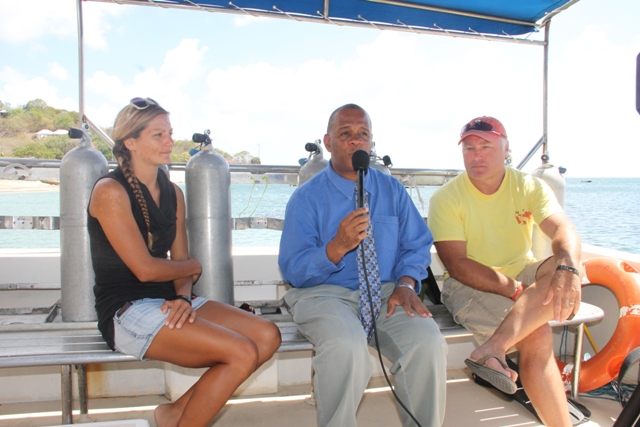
(184, 298)
(405, 285)
(568, 268)
(518, 292)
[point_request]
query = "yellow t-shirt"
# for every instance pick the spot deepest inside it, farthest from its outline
(498, 227)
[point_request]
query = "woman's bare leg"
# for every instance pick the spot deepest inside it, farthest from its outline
(214, 341)
(263, 333)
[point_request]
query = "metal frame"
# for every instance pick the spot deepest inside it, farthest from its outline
(544, 24)
(323, 17)
(452, 12)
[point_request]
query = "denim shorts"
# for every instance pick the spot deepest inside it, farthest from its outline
(138, 325)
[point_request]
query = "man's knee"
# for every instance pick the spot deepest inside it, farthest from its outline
(539, 342)
(421, 343)
(432, 351)
(345, 347)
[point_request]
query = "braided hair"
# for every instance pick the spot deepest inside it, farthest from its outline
(130, 122)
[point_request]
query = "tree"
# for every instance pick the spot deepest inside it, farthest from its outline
(182, 157)
(65, 119)
(61, 145)
(35, 104)
(102, 147)
(224, 154)
(55, 147)
(243, 157)
(36, 115)
(38, 120)
(34, 150)
(256, 161)
(13, 125)
(180, 152)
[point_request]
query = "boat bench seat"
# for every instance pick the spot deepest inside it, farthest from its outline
(78, 344)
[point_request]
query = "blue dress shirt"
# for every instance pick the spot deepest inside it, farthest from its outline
(314, 212)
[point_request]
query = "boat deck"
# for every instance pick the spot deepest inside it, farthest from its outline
(468, 404)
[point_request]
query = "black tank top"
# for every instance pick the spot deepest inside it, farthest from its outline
(115, 283)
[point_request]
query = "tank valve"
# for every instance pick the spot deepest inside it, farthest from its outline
(200, 138)
(312, 147)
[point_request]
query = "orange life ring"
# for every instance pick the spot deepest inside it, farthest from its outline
(624, 281)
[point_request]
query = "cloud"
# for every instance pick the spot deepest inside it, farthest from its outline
(96, 23)
(20, 89)
(244, 20)
(418, 89)
(592, 106)
(9, 75)
(180, 67)
(111, 87)
(183, 64)
(417, 100)
(44, 17)
(58, 71)
(22, 22)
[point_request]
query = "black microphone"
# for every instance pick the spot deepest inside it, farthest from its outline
(360, 162)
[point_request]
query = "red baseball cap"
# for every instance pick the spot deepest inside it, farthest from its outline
(487, 128)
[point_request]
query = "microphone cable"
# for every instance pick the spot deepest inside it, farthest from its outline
(375, 334)
(360, 161)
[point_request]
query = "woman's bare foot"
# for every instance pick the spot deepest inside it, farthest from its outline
(165, 416)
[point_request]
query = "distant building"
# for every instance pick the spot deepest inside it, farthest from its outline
(43, 133)
(46, 132)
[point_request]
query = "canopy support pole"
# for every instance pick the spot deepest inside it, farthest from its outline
(80, 65)
(545, 96)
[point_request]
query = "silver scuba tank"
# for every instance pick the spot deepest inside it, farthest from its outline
(80, 168)
(208, 199)
(541, 244)
(380, 163)
(315, 162)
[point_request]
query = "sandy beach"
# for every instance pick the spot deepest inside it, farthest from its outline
(22, 186)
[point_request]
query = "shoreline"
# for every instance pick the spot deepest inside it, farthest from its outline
(23, 186)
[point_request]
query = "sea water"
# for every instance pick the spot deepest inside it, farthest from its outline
(605, 212)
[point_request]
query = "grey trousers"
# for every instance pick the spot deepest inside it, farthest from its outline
(329, 317)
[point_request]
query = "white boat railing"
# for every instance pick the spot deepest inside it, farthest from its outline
(275, 174)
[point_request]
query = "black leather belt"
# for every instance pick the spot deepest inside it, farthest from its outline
(124, 308)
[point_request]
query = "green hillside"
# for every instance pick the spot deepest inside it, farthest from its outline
(19, 125)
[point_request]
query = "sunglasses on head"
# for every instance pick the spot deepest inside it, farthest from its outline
(480, 126)
(142, 103)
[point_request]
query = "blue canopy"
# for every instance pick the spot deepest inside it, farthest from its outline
(504, 18)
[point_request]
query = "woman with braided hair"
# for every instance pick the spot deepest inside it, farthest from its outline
(144, 298)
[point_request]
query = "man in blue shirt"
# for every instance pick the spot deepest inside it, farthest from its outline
(320, 239)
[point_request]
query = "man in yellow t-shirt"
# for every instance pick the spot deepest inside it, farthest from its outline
(482, 223)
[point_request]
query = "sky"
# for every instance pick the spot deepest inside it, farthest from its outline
(268, 86)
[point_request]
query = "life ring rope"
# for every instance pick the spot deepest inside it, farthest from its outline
(631, 310)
